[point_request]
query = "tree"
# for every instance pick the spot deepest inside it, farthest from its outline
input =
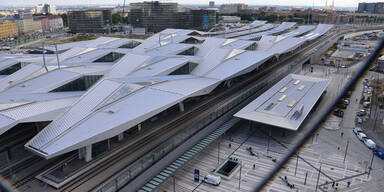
(116, 18)
(282, 18)
(65, 19)
(1, 15)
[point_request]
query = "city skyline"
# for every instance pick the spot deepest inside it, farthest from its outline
(338, 3)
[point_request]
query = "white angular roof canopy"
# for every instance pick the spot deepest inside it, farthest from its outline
(287, 103)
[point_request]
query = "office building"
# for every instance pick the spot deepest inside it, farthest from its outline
(37, 24)
(156, 16)
(232, 8)
(204, 19)
(24, 22)
(89, 21)
(377, 8)
(45, 9)
(8, 29)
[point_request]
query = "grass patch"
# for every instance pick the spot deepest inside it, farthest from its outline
(129, 36)
(78, 38)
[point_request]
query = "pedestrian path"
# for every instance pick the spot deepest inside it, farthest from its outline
(304, 177)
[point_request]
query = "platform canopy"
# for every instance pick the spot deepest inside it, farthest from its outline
(94, 90)
(287, 103)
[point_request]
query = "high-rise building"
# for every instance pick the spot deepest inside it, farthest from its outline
(371, 8)
(45, 9)
(155, 16)
(90, 21)
(204, 18)
(8, 29)
(39, 8)
(211, 4)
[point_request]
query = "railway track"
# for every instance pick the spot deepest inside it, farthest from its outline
(177, 125)
(152, 138)
(7, 173)
(21, 182)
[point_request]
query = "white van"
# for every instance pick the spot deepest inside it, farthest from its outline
(370, 144)
(212, 179)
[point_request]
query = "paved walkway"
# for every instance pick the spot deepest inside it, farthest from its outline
(327, 147)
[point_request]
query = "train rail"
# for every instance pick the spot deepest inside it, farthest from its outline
(151, 138)
(172, 128)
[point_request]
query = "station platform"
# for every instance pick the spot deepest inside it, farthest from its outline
(71, 167)
(68, 170)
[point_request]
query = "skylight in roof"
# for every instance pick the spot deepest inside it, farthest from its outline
(301, 87)
(269, 107)
(234, 53)
(297, 82)
(282, 90)
(228, 41)
(292, 103)
(282, 98)
(151, 61)
(123, 91)
(155, 59)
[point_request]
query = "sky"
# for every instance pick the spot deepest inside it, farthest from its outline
(338, 3)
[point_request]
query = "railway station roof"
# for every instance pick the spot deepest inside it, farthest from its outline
(287, 103)
(165, 69)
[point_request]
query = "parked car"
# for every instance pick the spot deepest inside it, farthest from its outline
(370, 144)
(346, 101)
(357, 130)
(379, 153)
(342, 106)
(212, 179)
(359, 120)
(362, 112)
(362, 136)
(366, 104)
(338, 112)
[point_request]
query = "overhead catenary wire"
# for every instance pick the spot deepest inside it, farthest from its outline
(316, 124)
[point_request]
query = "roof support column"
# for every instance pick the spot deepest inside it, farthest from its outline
(181, 106)
(88, 153)
(228, 83)
(120, 137)
(85, 153)
(81, 153)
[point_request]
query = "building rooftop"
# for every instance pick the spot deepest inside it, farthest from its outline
(119, 76)
(287, 103)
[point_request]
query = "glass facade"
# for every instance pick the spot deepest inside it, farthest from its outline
(185, 69)
(156, 16)
(130, 45)
(89, 21)
(80, 84)
(110, 57)
(11, 69)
